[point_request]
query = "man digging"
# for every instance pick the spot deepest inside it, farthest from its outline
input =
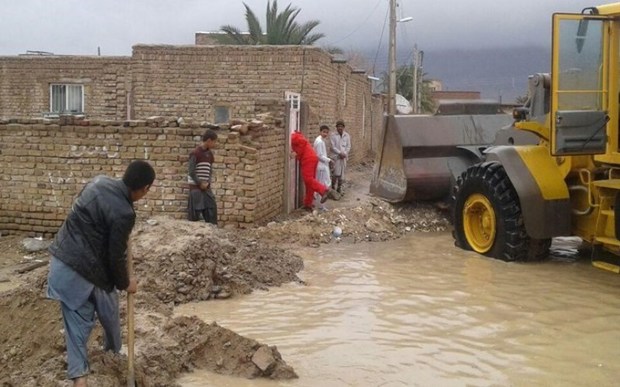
(89, 263)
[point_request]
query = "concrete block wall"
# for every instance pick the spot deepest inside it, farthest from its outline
(25, 84)
(45, 163)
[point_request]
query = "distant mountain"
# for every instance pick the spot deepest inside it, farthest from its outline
(498, 73)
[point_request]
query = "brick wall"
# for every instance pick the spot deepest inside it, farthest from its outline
(271, 159)
(190, 81)
(45, 163)
(25, 84)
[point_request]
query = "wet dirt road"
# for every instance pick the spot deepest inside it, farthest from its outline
(419, 312)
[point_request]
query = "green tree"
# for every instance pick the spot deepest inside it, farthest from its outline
(404, 87)
(281, 28)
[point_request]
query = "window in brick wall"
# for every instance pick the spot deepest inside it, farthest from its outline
(222, 114)
(67, 98)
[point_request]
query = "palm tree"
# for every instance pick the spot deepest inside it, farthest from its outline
(281, 28)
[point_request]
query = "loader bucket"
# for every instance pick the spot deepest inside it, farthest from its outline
(422, 156)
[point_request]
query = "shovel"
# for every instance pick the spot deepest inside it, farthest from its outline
(131, 377)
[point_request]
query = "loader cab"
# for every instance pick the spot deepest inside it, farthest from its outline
(584, 86)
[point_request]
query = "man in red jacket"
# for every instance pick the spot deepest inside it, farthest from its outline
(308, 162)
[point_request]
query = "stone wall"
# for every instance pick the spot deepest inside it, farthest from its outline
(45, 163)
(25, 84)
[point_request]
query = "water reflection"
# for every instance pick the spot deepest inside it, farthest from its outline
(419, 312)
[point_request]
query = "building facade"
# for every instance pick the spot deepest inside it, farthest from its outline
(198, 84)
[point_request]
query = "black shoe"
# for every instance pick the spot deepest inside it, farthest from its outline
(308, 209)
(325, 195)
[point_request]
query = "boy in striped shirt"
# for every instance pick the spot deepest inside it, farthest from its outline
(201, 198)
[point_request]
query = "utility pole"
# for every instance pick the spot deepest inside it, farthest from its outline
(414, 95)
(392, 59)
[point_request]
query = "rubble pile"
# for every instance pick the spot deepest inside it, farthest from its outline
(179, 262)
(374, 220)
(175, 262)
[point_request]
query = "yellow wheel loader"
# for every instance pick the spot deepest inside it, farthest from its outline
(510, 205)
(509, 200)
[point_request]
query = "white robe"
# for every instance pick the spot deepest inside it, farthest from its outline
(322, 168)
(340, 144)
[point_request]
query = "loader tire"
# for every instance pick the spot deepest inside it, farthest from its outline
(487, 216)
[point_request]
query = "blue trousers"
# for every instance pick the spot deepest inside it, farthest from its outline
(79, 324)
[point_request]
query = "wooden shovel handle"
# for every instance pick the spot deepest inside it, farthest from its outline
(131, 377)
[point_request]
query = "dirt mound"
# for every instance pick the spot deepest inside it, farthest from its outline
(175, 262)
(180, 261)
(374, 220)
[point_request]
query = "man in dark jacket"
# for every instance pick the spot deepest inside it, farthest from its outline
(89, 262)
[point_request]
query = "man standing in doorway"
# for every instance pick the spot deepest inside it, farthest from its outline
(200, 171)
(323, 167)
(308, 161)
(340, 148)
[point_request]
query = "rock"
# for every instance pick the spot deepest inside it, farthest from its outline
(243, 129)
(236, 121)
(184, 289)
(32, 245)
(255, 124)
(375, 226)
(223, 295)
(263, 358)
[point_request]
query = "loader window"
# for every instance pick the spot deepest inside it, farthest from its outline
(579, 93)
(580, 77)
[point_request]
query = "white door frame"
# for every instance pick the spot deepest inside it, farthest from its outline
(293, 101)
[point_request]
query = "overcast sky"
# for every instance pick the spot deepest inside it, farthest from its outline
(81, 26)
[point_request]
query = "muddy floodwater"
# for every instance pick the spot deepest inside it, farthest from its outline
(420, 312)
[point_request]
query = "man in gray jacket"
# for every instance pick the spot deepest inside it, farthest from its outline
(89, 262)
(340, 148)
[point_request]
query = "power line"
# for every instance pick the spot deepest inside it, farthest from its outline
(380, 40)
(360, 25)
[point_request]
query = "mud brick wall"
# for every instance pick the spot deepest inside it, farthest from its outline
(342, 95)
(190, 81)
(45, 163)
(25, 84)
(271, 158)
